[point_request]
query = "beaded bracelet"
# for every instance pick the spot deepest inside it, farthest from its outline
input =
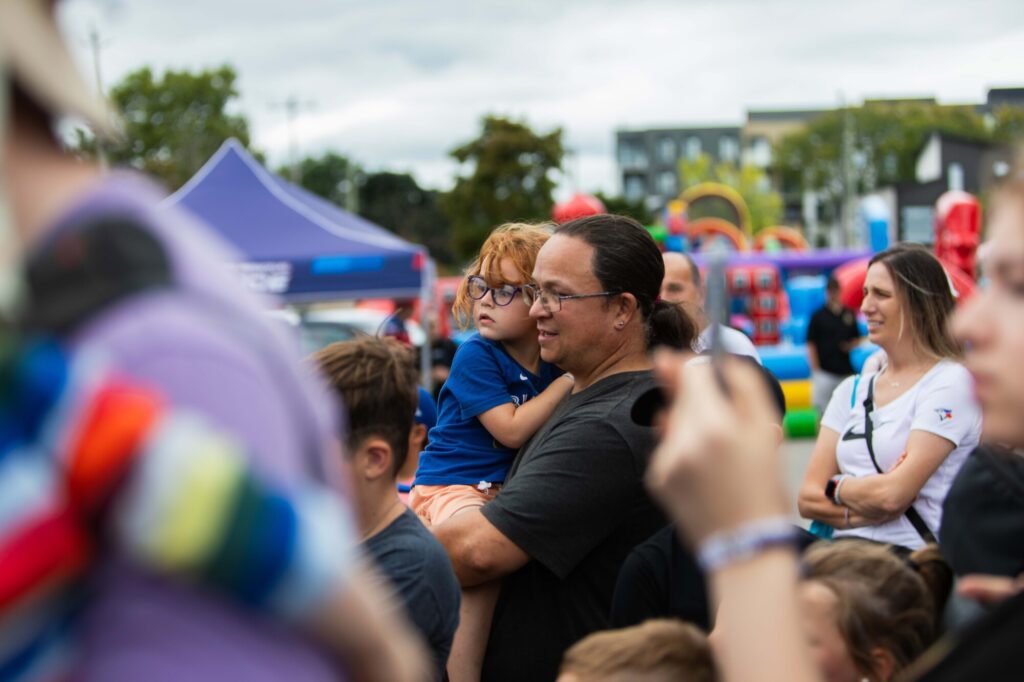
(743, 542)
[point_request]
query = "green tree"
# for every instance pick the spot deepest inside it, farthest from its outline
(509, 179)
(751, 182)
(885, 140)
(397, 202)
(331, 176)
(174, 123)
(1008, 124)
(623, 206)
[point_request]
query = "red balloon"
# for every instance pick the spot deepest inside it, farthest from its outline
(851, 276)
(579, 206)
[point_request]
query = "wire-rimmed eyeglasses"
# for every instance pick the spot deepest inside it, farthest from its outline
(552, 302)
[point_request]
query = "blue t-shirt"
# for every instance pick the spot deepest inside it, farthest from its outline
(461, 451)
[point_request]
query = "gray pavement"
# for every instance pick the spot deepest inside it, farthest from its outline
(795, 455)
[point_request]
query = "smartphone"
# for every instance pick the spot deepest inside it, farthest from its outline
(715, 307)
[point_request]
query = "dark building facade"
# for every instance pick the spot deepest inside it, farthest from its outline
(648, 160)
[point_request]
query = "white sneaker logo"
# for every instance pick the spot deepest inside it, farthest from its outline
(522, 377)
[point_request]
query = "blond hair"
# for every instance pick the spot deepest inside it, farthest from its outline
(658, 649)
(517, 242)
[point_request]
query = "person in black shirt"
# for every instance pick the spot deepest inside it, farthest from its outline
(831, 335)
(574, 502)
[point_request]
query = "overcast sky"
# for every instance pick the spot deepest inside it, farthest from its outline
(396, 84)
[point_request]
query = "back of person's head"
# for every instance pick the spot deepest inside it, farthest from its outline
(659, 650)
(926, 294)
(516, 242)
(627, 260)
(884, 601)
(376, 380)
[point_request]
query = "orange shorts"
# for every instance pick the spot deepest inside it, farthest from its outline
(435, 504)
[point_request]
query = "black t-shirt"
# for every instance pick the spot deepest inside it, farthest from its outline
(419, 568)
(575, 502)
(660, 579)
(983, 515)
(827, 331)
(988, 649)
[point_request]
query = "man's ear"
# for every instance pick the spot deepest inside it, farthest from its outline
(373, 458)
(627, 306)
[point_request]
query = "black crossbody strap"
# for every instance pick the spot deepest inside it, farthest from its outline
(915, 519)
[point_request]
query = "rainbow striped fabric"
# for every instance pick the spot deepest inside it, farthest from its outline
(89, 458)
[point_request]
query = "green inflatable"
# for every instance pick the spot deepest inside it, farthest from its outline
(801, 423)
(658, 232)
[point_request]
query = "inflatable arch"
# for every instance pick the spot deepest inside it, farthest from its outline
(724, 192)
(790, 238)
(705, 227)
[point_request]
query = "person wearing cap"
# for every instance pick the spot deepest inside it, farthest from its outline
(574, 504)
(159, 441)
(684, 286)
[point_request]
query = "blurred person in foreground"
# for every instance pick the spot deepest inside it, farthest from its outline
(169, 495)
(376, 381)
(723, 485)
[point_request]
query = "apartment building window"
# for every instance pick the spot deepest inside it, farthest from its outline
(666, 150)
(760, 152)
(632, 155)
(728, 148)
(667, 183)
(692, 148)
(633, 188)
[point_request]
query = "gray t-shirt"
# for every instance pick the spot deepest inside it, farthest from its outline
(419, 569)
(575, 502)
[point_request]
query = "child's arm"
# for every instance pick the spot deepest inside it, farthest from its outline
(513, 425)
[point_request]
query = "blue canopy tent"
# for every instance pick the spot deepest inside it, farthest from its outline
(294, 243)
(299, 246)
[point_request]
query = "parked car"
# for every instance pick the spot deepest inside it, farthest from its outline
(364, 320)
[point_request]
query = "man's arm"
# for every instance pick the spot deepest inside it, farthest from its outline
(479, 552)
(812, 347)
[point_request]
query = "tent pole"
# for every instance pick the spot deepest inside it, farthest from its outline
(426, 313)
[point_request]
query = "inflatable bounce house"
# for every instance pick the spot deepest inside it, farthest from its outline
(776, 281)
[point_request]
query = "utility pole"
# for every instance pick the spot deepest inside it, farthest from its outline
(96, 44)
(847, 219)
(292, 107)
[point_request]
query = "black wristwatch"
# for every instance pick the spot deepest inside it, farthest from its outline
(830, 489)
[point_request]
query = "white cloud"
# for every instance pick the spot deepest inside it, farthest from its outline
(397, 84)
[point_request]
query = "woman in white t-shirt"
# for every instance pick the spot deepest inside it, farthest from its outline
(924, 421)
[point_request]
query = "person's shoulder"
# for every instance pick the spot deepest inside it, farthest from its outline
(474, 348)
(624, 387)
(852, 383)
(949, 370)
(738, 343)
